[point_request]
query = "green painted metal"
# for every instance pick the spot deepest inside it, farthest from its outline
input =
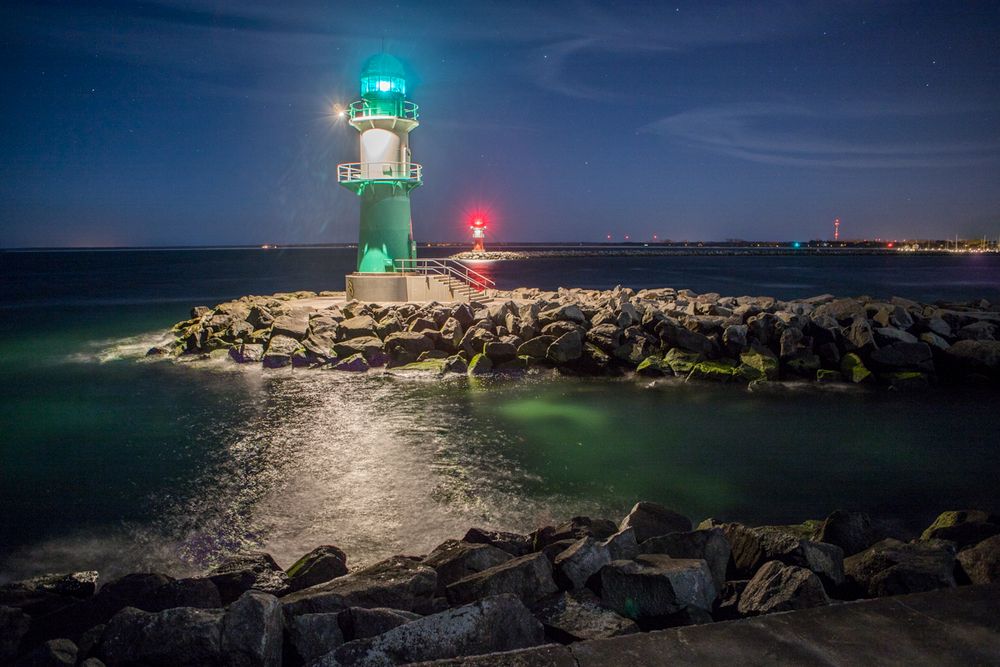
(386, 232)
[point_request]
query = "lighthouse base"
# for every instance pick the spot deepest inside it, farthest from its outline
(398, 287)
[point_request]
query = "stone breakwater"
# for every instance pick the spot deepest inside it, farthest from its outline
(894, 343)
(585, 579)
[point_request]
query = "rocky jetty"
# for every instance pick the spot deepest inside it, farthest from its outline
(585, 579)
(895, 343)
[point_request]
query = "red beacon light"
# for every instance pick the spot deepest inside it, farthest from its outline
(478, 227)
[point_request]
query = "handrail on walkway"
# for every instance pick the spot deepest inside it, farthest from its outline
(445, 267)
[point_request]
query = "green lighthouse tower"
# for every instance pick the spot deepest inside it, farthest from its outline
(385, 174)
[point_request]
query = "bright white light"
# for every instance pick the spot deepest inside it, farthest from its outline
(341, 113)
(384, 86)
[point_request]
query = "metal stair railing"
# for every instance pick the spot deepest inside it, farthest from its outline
(447, 268)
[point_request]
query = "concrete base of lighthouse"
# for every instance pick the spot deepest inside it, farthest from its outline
(398, 287)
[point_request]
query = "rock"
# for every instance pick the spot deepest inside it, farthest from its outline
(198, 592)
(851, 531)
(566, 348)
(579, 616)
(854, 369)
(842, 310)
(528, 577)
(454, 560)
(535, 347)
(355, 363)
(674, 334)
(896, 356)
(499, 352)
(778, 587)
(758, 365)
(314, 635)
(889, 335)
(891, 567)
(398, 583)
(622, 545)
(578, 563)
(407, 343)
(980, 330)
(654, 585)
(361, 623)
(859, 336)
(89, 642)
(652, 519)
(981, 563)
(500, 623)
(712, 371)
(252, 631)
(936, 343)
(455, 364)
(368, 346)
(178, 637)
(963, 527)
(512, 543)
(354, 327)
(247, 353)
(480, 365)
(825, 376)
(279, 351)
(14, 624)
(652, 366)
(976, 356)
(92, 662)
(292, 327)
(318, 566)
(255, 570)
(680, 361)
(53, 653)
(570, 312)
(710, 545)
(75, 584)
(752, 547)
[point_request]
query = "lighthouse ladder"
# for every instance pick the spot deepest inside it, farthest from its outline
(460, 279)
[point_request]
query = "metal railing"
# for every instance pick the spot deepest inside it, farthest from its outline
(378, 171)
(363, 109)
(448, 268)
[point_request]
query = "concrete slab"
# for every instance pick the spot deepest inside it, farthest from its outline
(947, 627)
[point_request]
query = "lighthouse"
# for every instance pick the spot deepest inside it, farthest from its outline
(385, 174)
(478, 227)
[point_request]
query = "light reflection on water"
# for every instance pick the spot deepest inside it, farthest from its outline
(386, 463)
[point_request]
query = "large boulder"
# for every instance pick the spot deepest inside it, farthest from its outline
(406, 344)
(981, 563)
(780, 587)
(252, 631)
(528, 577)
(513, 543)
(53, 653)
(178, 637)
(654, 585)
(291, 326)
(314, 635)
(361, 325)
(752, 547)
(454, 560)
(622, 545)
(14, 624)
(398, 583)
(279, 351)
(566, 348)
(575, 565)
(891, 567)
(963, 527)
(710, 545)
(500, 623)
(975, 356)
(320, 565)
(905, 355)
(361, 623)
(238, 574)
(579, 616)
(675, 334)
(652, 519)
(851, 531)
(535, 347)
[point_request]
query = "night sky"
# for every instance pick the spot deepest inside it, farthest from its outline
(190, 123)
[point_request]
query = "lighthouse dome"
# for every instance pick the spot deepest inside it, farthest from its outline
(383, 74)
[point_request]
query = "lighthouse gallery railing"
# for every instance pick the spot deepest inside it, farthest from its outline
(348, 172)
(445, 267)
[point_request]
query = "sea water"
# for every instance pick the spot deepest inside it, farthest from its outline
(118, 463)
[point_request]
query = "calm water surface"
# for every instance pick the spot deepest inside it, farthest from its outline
(111, 462)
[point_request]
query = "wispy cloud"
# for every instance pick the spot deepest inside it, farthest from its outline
(850, 136)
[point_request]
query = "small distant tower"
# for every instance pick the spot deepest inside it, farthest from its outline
(478, 228)
(836, 229)
(385, 174)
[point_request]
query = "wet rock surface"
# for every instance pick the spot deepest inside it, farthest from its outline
(900, 344)
(580, 580)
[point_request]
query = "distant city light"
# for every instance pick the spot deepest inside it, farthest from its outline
(796, 245)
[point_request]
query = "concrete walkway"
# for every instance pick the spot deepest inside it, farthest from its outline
(949, 627)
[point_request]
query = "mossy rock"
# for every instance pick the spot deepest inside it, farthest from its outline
(681, 361)
(907, 381)
(652, 366)
(756, 365)
(826, 375)
(455, 364)
(480, 365)
(806, 365)
(854, 369)
(516, 364)
(713, 371)
(803, 531)
(433, 365)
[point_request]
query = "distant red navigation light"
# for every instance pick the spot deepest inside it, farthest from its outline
(890, 244)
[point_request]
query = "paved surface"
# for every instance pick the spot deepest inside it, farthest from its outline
(948, 627)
